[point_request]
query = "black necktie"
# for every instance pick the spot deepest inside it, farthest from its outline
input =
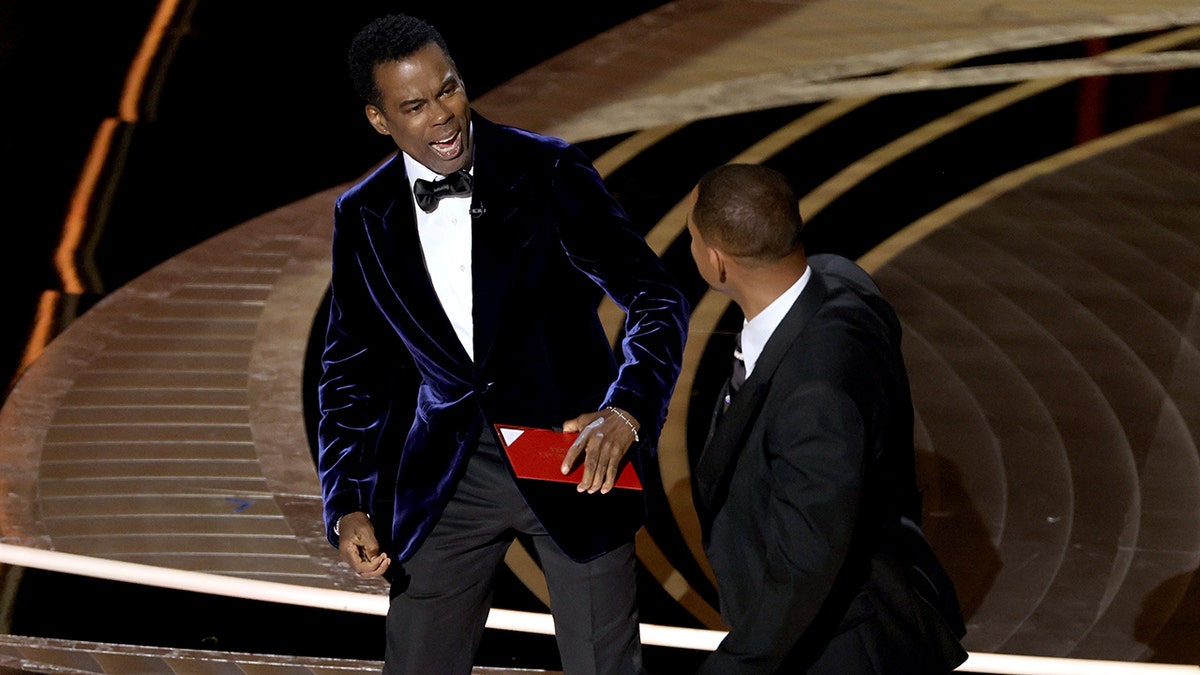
(428, 192)
(738, 376)
(739, 366)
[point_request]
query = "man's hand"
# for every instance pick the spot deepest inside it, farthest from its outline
(604, 438)
(359, 547)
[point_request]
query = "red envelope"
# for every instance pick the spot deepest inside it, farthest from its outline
(538, 453)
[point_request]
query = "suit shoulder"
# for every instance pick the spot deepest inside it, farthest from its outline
(517, 135)
(852, 325)
(844, 270)
(375, 185)
(531, 144)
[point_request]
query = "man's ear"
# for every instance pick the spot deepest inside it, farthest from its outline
(717, 260)
(377, 119)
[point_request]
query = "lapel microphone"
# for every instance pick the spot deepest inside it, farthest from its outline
(477, 211)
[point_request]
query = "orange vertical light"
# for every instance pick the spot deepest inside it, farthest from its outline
(43, 329)
(135, 81)
(85, 189)
(76, 223)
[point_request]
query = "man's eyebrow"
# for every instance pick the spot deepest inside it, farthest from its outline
(412, 101)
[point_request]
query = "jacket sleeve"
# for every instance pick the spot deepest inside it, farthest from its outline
(352, 391)
(600, 241)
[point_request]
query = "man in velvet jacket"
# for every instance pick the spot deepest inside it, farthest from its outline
(806, 488)
(490, 282)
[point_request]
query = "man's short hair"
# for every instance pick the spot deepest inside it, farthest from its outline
(748, 210)
(388, 38)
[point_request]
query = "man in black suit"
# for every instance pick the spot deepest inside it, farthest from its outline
(806, 488)
(482, 251)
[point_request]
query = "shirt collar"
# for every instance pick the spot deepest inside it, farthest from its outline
(758, 330)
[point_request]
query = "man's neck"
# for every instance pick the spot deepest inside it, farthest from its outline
(760, 286)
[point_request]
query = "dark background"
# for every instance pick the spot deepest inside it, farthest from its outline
(250, 110)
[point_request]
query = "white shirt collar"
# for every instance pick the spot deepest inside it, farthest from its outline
(758, 330)
(417, 170)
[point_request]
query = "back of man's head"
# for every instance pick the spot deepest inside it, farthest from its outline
(749, 211)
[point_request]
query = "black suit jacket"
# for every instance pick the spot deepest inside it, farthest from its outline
(809, 505)
(547, 241)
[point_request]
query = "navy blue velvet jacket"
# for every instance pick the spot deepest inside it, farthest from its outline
(548, 241)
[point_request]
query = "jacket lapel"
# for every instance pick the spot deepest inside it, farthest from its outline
(495, 234)
(715, 465)
(396, 245)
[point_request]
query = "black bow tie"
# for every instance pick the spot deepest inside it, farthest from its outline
(428, 192)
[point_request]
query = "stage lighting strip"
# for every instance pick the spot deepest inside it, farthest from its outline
(868, 75)
(500, 619)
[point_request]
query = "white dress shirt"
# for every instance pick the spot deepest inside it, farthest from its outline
(446, 243)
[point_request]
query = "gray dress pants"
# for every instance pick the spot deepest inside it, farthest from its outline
(442, 594)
